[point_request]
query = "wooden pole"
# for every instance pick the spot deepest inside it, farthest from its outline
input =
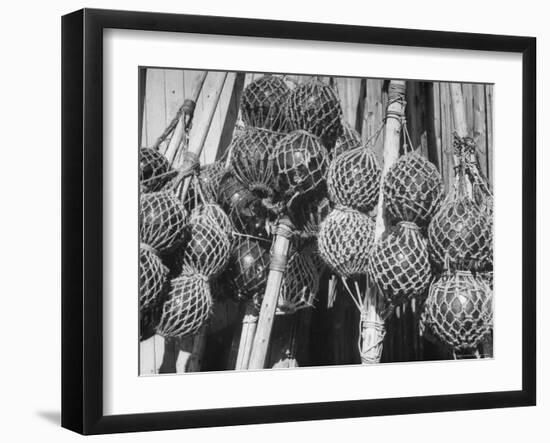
(179, 131)
(459, 109)
(277, 267)
(373, 323)
(248, 331)
(460, 121)
(199, 131)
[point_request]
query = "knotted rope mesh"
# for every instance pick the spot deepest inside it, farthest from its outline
(251, 153)
(299, 165)
(459, 310)
(307, 215)
(263, 103)
(460, 235)
(314, 106)
(348, 140)
(249, 268)
(245, 209)
(152, 277)
(299, 286)
(399, 263)
(354, 179)
(187, 307)
(413, 190)
(154, 170)
(209, 179)
(162, 220)
(208, 248)
(345, 239)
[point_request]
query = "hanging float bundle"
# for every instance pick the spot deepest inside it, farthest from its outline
(348, 140)
(263, 103)
(209, 179)
(162, 220)
(208, 247)
(413, 190)
(249, 268)
(187, 307)
(245, 209)
(152, 277)
(299, 286)
(345, 239)
(354, 179)
(251, 152)
(300, 163)
(399, 263)
(154, 170)
(314, 107)
(459, 310)
(461, 232)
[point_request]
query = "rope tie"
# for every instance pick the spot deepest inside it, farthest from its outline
(190, 164)
(148, 248)
(278, 263)
(188, 109)
(367, 356)
(409, 225)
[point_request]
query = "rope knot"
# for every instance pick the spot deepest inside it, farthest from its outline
(148, 248)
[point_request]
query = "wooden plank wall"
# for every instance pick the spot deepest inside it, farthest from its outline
(333, 331)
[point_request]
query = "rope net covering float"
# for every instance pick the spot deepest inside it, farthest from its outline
(263, 103)
(245, 209)
(251, 159)
(300, 163)
(459, 310)
(348, 140)
(412, 189)
(354, 179)
(209, 179)
(460, 235)
(152, 277)
(314, 107)
(249, 268)
(187, 307)
(461, 232)
(345, 239)
(299, 286)
(154, 170)
(162, 220)
(208, 248)
(399, 263)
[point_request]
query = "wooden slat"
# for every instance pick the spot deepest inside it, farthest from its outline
(489, 123)
(480, 127)
(447, 128)
(151, 355)
(155, 105)
(231, 116)
(212, 144)
(349, 93)
(375, 108)
(434, 125)
(142, 135)
(468, 96)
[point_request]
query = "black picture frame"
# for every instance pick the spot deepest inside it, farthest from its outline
(82, 220)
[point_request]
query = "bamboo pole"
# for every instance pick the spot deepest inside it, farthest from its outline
(277, 267)
(248, 331)
(372, 321)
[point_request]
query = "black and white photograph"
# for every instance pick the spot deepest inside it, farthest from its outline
(292, 220)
